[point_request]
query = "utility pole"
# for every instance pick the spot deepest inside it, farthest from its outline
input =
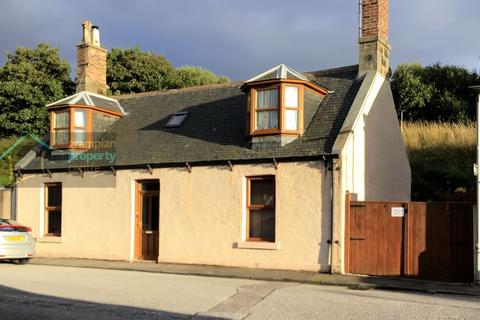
(476, 225)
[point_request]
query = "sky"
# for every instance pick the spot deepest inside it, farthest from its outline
(240, 39)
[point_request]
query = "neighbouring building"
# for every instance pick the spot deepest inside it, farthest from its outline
(250, 173)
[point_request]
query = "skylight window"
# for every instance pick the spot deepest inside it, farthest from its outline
(176, 120)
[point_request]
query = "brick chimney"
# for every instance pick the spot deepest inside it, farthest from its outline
(91, 61)
(374, 46)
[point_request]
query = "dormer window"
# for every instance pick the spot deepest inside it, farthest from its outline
(277, 109)
(77, 121)
(277, 102)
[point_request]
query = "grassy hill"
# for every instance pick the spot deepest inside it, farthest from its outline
(441, 158)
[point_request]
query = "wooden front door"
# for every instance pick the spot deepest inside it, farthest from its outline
(147, 216)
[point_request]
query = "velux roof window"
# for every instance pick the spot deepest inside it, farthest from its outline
(176, 120)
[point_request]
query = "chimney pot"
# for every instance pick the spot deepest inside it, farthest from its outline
(96, 36)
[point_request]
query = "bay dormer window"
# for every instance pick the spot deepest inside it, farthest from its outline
(77, 121)
(277, 108)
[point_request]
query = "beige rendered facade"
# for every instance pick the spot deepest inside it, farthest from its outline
(5, 203)
(202, 215)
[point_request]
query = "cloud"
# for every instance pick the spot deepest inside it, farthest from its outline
(242, 38)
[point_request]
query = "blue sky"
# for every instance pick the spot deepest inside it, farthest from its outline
(242, 38)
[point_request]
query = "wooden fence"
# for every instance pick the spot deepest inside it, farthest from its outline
(431, 241)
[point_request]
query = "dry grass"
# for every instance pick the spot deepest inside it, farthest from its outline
(419, 135)
(441, 158)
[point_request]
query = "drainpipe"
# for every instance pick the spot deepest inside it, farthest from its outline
(476, 220)
(332, 194)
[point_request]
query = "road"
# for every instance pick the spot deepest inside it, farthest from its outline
(46, 292)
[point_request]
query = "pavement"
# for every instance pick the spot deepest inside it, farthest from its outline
(74, 293)
(358, 282)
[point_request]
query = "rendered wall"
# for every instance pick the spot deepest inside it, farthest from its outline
(5, 203)
(202, 216)
(373, 163)
(374, 158)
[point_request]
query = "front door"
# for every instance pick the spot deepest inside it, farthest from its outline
(147, 216)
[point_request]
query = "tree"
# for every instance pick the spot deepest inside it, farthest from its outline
(434, 93)
(411, 94)
(133, 71)
(189, 76)
(29, 80)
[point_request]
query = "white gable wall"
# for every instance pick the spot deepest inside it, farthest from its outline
(373, 163)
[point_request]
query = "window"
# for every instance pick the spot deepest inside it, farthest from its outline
(176, 120)
(80, 127)
(61, 127)
(266, 109)
(277, 109)
(261, 209)
(53, 209)
(70, 128)
(291, 108)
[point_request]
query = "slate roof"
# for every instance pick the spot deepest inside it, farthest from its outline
(90, 99)
(215, 128)
(279, 72)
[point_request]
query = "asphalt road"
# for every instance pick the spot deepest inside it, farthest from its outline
(46, 292)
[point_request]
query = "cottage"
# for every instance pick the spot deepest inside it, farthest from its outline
(250, 173)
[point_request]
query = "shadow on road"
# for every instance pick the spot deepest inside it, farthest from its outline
(21, 305)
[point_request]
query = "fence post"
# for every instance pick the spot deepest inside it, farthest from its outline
(346, 240)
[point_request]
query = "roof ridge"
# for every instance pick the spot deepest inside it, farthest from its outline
(350, 68)
(179, 90)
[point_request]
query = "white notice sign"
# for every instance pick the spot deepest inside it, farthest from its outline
(398, 212)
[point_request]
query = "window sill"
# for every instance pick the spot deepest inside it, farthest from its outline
(259, 245)
(51, 239)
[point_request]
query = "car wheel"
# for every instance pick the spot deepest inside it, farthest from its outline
(23, 261)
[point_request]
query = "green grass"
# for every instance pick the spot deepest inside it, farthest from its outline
(441, 158)
(8, 161)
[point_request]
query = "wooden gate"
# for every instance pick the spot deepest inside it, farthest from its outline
(424, 240)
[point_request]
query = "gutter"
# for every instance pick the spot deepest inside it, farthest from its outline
(223, 162)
